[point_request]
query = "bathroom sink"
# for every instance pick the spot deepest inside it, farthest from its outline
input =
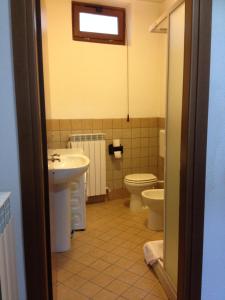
(69, 167)
(66, 167)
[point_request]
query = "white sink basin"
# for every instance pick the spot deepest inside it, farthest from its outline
(69, 167)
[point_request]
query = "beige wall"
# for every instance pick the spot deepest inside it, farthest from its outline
(163, 76)
(88, 80)
(167, 3)
(45, 58)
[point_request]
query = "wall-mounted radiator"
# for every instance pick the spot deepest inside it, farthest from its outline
(94, 183)
(93, 146)
(8, 279)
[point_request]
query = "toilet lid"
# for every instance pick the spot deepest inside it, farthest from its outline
(144, 177)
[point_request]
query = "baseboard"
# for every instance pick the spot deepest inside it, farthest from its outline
(165, 281)
(118, 194)
(113, 195)
(96, 199)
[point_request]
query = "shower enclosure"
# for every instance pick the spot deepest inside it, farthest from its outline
(173, 138)
(172, 25)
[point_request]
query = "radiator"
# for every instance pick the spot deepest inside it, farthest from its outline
(93, 146)
(8, 279)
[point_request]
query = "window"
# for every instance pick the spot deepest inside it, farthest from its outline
(98, 24)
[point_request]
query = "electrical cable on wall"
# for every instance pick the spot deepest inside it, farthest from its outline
(128, 79)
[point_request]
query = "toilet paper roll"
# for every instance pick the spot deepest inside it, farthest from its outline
(117, 154)
(116, 142)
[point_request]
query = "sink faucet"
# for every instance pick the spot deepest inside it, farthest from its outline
(55, 154)
(54, 157)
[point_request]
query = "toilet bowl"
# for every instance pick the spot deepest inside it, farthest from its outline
(135, 184)
(154, 199)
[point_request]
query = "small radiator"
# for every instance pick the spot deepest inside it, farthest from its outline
(93, 146)
(8, 279)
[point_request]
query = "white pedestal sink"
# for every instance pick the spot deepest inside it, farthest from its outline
(69, 167)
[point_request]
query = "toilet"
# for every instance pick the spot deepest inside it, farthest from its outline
(154, 199)
(135, 184)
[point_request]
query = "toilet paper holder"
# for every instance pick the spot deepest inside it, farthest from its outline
(113, 149)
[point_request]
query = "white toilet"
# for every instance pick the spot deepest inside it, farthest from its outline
(135, 184)
(154, 199)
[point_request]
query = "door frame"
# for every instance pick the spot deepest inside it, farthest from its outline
(29, 91)
(30, 110)
(193, 147)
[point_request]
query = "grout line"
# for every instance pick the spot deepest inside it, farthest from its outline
(118, 212)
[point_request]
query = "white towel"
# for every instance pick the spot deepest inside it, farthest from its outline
(153, 251)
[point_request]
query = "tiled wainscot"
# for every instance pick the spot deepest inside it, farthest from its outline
(139, 137)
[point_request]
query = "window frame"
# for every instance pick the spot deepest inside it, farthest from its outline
(94, 37)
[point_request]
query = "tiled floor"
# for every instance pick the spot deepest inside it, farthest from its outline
(106, 261)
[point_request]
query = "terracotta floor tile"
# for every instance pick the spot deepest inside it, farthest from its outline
(106, 260)
(139, 268)
(61, 260)
(105, 295)
(133, 293)
(73, 254)
(86, 259)
(75, 282)
(64, 293)
(98, 253)
(88, 273)
(119, 251)
(74, 266)
(89, 289)
(63, 275)
(145, 284)
(152, 297)
(110, 258)
(108, 247)
(124, 263)
(97, 243)
(150, 275)
(105, 237)
(117, 286)
(102, 279)
(132, 256)
(158, 291)
(95, 234)
(116, 241)
(114, 232)
(113, 271)
(100, 265)
(133, 231)
(77, 243)
(128, 277)
(83, 250)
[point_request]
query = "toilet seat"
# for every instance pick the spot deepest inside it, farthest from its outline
(143, 178)
(135, 184)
